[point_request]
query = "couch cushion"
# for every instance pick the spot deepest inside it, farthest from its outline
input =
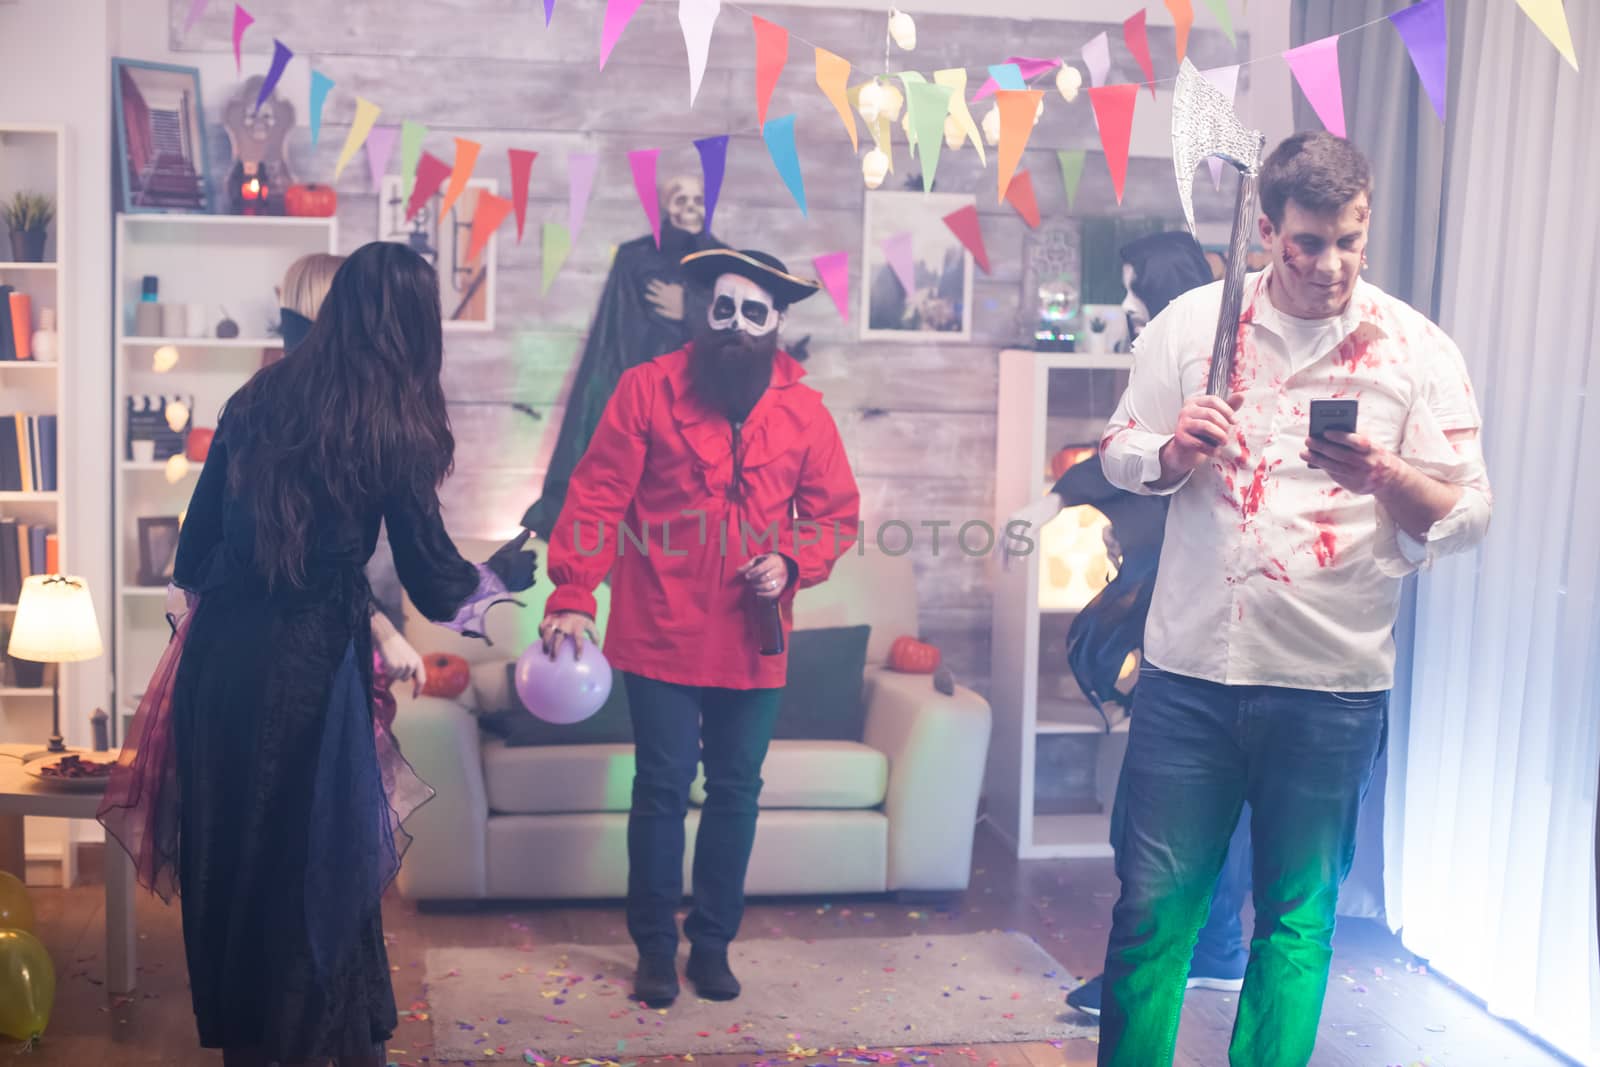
(818, 774)
(518, 728)
(542, 779)
(822, 700)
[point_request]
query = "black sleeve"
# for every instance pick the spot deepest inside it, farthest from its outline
(433, 573)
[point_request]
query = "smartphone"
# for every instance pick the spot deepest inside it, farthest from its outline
(1332, 415)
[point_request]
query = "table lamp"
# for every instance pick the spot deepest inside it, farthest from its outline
(55, 623)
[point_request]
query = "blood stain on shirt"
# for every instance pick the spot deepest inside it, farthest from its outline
(1360, 348)
(1326, 545)
(1250, 502)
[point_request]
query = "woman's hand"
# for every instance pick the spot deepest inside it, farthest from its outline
(561, 625)
(401, 662)
(768, 575)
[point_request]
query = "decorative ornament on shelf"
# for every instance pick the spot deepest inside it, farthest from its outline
(903, 29)
(1068, 82)
(198, 445)
(874, 167)
(311, 201)
(260, 176)
(46, 342)
(28, 217)
(227, 329)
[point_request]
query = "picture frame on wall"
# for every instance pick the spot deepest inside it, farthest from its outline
(939, 307)
(161, 163)
(158, 549)
(466, 290)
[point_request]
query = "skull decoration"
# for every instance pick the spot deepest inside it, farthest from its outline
(683, 202)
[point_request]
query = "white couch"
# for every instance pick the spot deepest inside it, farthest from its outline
(895, 812)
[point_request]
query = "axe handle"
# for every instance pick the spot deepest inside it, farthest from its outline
(1224, 346)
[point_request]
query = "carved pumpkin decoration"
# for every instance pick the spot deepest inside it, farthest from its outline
(911, 656)
(447, 675)
(311, 201)
(198, 445)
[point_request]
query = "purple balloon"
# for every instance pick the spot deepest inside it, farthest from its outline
(566, 689)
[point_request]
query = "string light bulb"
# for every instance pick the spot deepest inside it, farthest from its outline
(165, 358)
(991, 126)
(903, 28)
(870, 104)
(177, 415)
(1068, 82)
(177, 467)
(874, 167)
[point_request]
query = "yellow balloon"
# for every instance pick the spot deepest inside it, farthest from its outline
(16, 910)
(27, 985)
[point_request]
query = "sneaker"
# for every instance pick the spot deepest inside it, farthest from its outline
(1222, 979)
(657, 981)
(1086, 998)
(712, 977)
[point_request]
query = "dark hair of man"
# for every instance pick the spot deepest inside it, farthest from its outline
(1320, 172)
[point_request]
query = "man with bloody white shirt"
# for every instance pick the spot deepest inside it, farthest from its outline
(1269, 653)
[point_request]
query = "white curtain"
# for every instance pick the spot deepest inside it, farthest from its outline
(1492, 868)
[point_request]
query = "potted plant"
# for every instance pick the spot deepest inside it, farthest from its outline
(28, 217)
(1097, 334)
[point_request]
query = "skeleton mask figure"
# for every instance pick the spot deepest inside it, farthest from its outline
(683, 202)
(737, 303)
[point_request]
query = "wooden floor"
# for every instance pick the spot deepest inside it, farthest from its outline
(1381, 1009)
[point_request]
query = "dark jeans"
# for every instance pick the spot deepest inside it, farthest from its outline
(1197, 752)
(675, 728)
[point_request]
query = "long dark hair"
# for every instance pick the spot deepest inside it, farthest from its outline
(352, 415)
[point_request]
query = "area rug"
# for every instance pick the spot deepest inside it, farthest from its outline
(800, 996)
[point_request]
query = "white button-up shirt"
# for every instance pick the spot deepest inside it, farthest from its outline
(1272, 574)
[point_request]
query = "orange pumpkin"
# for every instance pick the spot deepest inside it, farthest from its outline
(198, 445)
(911, 656)
(313, 201)
(447, 675)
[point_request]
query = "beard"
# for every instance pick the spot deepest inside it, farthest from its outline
(730, 369)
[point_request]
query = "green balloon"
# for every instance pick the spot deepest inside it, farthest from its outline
(27, 986)
(16, 909)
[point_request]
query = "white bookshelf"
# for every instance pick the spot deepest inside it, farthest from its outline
(230, 262)
(1047, 401)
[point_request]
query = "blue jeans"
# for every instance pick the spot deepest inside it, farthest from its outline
(1197, 753)
(675, 727)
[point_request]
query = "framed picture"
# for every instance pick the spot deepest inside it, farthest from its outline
(466, 290)
(161, 138)
(158, 549)
(939, 303)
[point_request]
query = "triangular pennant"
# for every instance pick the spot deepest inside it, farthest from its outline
(412, 134)
(1551, 18)
(1138, 42)
(1316, 71)
(618, 14)
(1219, 8)
(521, 171)
(1226, 79)
(956, 79)
(1071, 172)
(466, 161)
(366, 114)
(580, 183)
(643, 164)
(557, 242)
(1182, 22)
(1029, 67)
(380, 146)
(772, 52)
(833, 270)
(1020, 195)
(1113, 109)
(833, 78)
(908, 78)
(196, 9)
(430, 176)
(897, 249)
(490, 212)
(549, 10)
(697, 18)
(928, 104)
(963, 222)
(1097, 57)
(713, 163)
(280, 59)
(1007, 76)
(1017, 109)
(779, 135)
(320, 84)
(241, 22)
(1425, 30)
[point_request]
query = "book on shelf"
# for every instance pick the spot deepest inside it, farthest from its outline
(28, 453)
(8, 339)
(25, 549)
(20, 307)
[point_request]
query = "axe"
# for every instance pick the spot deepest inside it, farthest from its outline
(1204, 124)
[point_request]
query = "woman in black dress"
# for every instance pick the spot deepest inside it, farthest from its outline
(260, 776)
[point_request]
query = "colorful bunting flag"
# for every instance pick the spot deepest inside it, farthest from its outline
(772, 52)
(466, 160)
(1138, 42)
(1007, 76)
(1029, 67)
(928, 104)
(1097, 57)
(1071, 172)
(366, 114)
(1020, 196)
(1226, 79)
(412, 134)
(241, 22)
(1316, 71)
(280, 59)
(380, 146)
(521, 171)
(1551, 18)
(580, 183)
(643, 164)
(549, 10)
(696, 18)
(833, 270)
(1113, 109)
(557, 242)
(1425, 30)
(430, 176)
(1017, 109)
(897, 249)
(963, 222)
(196, 9)
(490, 212)
(1219, 8)
(908, 78)
(618, 14)
(779, 135)
(713, 163)
(1182, 21)
(833, 78)
(956, 79)
(320, 84)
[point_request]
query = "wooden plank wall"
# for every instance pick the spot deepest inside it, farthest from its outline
(918, 419)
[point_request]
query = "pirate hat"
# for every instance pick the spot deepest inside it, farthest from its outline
(705, 267)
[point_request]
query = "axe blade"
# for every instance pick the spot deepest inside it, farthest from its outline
(1205, 124)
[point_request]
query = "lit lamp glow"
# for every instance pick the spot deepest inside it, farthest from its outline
(55, 623)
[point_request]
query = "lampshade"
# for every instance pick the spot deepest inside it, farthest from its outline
(55, 621)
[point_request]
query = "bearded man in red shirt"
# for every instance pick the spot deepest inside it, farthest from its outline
(714, 488)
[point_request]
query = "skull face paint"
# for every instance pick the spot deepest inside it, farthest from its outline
(737, 303)
(683, 202)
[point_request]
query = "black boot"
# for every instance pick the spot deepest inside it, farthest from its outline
(657, 981)
(709, 971)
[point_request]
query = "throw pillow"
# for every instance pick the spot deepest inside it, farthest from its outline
(519, 728)
(822, 701)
